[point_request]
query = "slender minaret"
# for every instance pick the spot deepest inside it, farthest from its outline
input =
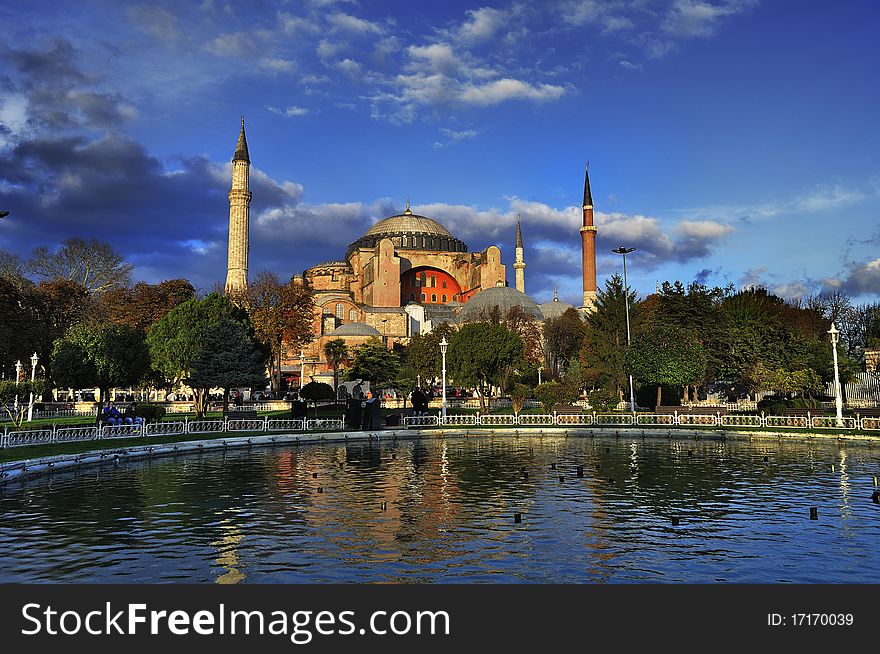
(519, 266)
(588, 245)
(239, 212)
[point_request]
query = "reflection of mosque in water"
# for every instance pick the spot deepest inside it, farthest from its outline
(377, 500)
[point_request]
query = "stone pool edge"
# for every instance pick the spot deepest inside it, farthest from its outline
(24, 469)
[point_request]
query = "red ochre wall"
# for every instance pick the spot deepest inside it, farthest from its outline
(428, 281)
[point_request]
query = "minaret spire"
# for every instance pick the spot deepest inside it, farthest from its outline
(239, 218)
(588, 247)
(519, 265)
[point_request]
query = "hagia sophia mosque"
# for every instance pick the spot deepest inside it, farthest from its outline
(406, 274)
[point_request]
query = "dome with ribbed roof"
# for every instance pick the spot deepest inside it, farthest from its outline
(355, 329)
(555, 308)
(503, 297)
(410, 231)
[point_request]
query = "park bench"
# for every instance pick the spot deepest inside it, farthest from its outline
(567, 409)
(868, 413)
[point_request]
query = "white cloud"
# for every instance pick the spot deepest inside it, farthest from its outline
(277, 65)
(482, 24)
(452, 136)
(348, 66)
(290, 112)
(354, 25)
(509, 89)
(861, 279)
(694, 18)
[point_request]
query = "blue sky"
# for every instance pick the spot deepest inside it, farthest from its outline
(730, 141)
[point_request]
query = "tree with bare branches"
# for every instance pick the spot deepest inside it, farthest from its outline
(92, 264)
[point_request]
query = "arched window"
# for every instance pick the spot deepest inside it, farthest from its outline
(444, 298)
(423, 297)
(444, 283)
(352, 315)
(433, 297)
(340, 310)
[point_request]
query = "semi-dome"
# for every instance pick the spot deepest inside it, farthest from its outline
(355, 329)
(555, 308)
(503, 297)
(410, 231)
(332, 264)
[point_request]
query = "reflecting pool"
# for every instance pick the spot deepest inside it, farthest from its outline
(442, 510)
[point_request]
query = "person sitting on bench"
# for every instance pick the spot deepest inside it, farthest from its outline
(110, 415)
(131, 416)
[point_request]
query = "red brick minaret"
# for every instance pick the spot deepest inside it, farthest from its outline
(588, 246)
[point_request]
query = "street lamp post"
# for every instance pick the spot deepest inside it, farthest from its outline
(623, 252)
(34, 360)
(384, 335)
(302, 369)
(540, 368)
(17, 379)
(838, 400)
(443, 346)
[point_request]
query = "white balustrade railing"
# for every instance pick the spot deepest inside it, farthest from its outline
(73, 434)
(574, 419)
(29, 437)
(420, 421)
(831, 422)
(697, 419)
(204, 426)
(493, 419)
(245, 424)
(285, 424)
(461, 419)
(799, 422)
(734, 420)
(325, 423)
(645, 419)
(165, 428)
(121, 431)
(64, 434)
(619, 419)
(527, 419)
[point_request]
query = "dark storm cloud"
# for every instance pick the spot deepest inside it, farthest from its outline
(60, 95)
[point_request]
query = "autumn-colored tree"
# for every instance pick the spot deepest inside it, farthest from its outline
(562, 338)
(281, 314)
(144, 304)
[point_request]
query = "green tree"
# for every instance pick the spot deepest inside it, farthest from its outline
(552, 392)
(229, 357)
(563, 338)
(336, 353)
(482, 355)
(423, 351)
(375, 363)
(317, 392)
(176, 340)
(101, 356)
(666, 355)
(604, 345)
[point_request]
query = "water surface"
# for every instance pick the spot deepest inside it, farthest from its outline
(442, 511)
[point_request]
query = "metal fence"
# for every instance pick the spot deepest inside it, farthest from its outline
(63, 434)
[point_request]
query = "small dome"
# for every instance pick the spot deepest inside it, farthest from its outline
(503, 297)
(355, 329)
(555, 308)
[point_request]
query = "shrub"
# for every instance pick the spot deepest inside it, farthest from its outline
(150, 412)
(602, 400)
(550, 393)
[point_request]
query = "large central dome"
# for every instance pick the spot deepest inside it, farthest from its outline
(409, 231)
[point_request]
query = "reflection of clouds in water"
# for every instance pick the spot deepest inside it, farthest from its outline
(227, 553)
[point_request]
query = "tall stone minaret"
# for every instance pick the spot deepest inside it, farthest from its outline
(588, 248)
(239, 213)
(519, 266)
